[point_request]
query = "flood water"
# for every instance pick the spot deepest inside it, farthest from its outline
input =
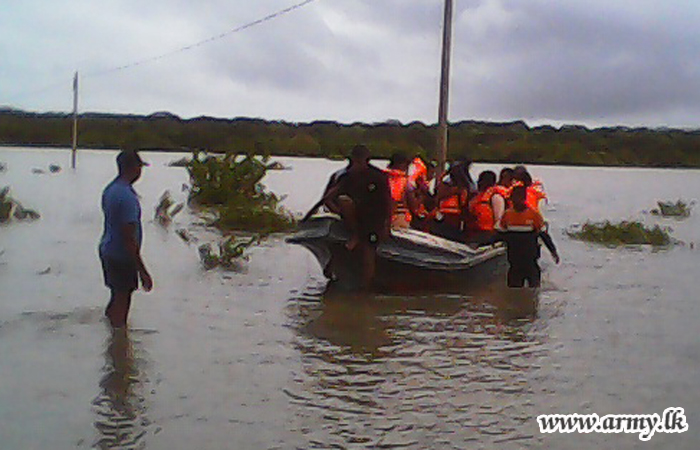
(263, 359)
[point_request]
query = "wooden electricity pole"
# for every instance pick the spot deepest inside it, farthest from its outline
(75, 120)
(444, 89)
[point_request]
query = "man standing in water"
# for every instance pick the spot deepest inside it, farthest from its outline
(121, 241)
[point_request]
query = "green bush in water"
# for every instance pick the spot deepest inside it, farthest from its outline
(232, 185)
(231, 252)
(10, 207)
(623, 233)
(679, 209)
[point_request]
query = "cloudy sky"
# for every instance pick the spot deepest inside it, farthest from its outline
(593, 62)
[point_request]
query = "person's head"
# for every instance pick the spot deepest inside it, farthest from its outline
(517, 196)
(359, 155)
(432, 169)
(399, 161)
(486, 180)
(129, 164)
(523, 176)
(505, 177)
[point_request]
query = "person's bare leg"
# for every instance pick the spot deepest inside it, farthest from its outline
(347, 211)
(369, 264)
(118, 309)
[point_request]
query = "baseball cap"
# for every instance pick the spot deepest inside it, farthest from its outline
(130, 158)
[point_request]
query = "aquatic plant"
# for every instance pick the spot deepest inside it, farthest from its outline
(166, 209)
(276, 165)
(232, 186)
(10, 207)
(230, 253)
(182, 162)
(622, 233)
(679, 209)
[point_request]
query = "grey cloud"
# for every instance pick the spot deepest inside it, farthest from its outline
(541, 60)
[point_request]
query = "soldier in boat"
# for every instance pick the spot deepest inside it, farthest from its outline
(363, 198)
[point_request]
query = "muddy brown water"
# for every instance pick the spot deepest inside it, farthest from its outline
(263, 358)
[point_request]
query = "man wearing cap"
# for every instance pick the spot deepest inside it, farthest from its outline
(121, 241)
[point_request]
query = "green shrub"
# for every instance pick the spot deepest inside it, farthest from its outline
(623, 233)
(232, 186)
(679, 209)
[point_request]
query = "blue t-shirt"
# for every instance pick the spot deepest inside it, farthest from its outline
(120, 205)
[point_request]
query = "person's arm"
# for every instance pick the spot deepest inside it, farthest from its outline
(132, 248)
(498, 204)
(546, 238)
(130, 211)
(549, 243)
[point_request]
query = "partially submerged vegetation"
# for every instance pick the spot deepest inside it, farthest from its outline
(679, 209)
(622, 233)
(167, 209)
(11, 208)
(231, 186)
(230, 254)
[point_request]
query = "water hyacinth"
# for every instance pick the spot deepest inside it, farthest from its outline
(622, 233)
(231, 185)
(231, 253)
(10, 207)
(679, 209)
(166, 209)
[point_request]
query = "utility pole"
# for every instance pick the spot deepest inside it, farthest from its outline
(444, 89)
(75, 120)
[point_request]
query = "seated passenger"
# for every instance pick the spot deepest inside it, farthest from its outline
(424, 197)
(522, 227)
(482, 220)
(502, 194)
(535, 190)
(452, 196)
(401, 192)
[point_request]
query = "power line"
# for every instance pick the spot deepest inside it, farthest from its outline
(205, 41)
(173, 52)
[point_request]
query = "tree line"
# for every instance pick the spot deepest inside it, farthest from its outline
(510, 142)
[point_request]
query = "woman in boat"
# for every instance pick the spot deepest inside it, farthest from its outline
(522, 227)
(534, 189)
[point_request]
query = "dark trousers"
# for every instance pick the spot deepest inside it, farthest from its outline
(519, 273)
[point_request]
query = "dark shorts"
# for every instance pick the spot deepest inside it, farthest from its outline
(519, 274)
(119, 275)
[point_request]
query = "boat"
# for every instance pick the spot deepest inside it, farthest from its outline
(410, 260)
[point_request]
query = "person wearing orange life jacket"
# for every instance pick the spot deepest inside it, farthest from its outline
(417, 171)
(482, 220)
(534, 190)
(421, 176)
(401, 191)
(522, 227)
(452, 196)
(501, 199)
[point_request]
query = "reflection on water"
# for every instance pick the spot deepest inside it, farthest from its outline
(430, 371)
(120, 407)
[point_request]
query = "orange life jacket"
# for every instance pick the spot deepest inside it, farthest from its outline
(481, 210)
(417, 171)
(502, 191)
(453, 204)
(398, 181)
(533, 196)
